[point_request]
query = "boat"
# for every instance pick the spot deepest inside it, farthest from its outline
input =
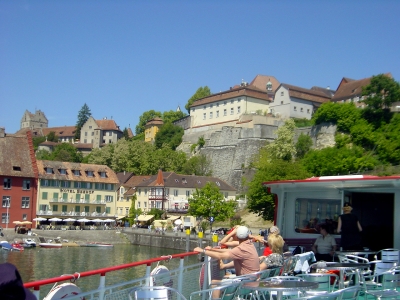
(97, 244)
(6, 246)
(48, 244)
(28, 243)
(17, 247)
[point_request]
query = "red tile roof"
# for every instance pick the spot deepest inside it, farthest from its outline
(306, 94)
(107, 125)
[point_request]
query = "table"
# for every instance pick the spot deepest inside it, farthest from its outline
(280, 286)
(357, 253)
(341, 267)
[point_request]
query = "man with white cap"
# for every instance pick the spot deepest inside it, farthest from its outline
(244, 256)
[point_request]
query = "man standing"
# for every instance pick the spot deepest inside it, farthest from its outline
(325, 245)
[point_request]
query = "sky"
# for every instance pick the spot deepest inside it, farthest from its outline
(123, 58)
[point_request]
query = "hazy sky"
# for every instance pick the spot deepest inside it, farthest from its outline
(123, 58)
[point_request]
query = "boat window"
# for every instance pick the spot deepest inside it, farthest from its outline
(311, 213)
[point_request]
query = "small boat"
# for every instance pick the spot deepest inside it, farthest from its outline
(28, 243)
(97, 244)
(17, 247)
(6, 246)
(48, 244)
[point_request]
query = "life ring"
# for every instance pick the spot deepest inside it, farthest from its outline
(63, 290)
(160, 276)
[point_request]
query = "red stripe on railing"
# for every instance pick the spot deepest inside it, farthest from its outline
(38, 283)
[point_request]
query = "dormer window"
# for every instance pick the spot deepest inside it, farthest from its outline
(103, 174)
(49, 170)
(63, 171)
(89, 173)
(16, 168)
(217, 182)
(77, 173)
(198, 181)
(176, 180)
(184, 180)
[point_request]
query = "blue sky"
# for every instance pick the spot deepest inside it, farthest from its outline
(123, 58)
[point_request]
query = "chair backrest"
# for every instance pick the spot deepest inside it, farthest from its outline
(391, 279)
(324, 280)
(388, 255)
(270, 273)
(289, 264)
(381, 267)
(351, 293)
(154, 293)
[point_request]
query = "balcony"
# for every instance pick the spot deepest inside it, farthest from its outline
(79, 201)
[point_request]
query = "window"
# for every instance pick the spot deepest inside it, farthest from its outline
(90, 173)
(26, 184)
(44, 195)
(145, 191)
(55, 207)
(77, 184)
(92, 133)
(145, 205)
(126, 210)
(204, 116)
(7, 183)
(24, 217)
(211, 115)
(232, 110)
(55, 196)
(294, 108)
(25, 202)
(282, 93)
(90, 127)
(232, 101)
(281, 102)
(187, 193)
(4, 218)
(65, 183)
(218, 104)
(103, 174)
(308, 110)
(49, 170)
(238, 109)
(109, 186)
(309, 213)
(77, 173)
(226, 194)
(6, 201)
(85, 141)
(139, 191)
(217, 182)
(211, 106)
(63, 172)
(224, 102)
(217, 114)
(225, 112)
(138, 204)
(204, 107)
(109, 198)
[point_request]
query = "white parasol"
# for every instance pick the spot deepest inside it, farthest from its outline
(39, 219)
(55, 219)
(97, 220)
(178, 222)
(69, 220)
(83, 220)
(108, 220)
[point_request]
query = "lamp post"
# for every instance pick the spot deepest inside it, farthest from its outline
(7, 216)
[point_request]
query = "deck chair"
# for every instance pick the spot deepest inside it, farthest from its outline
(326, 282)
(227, 291)
(155, 292)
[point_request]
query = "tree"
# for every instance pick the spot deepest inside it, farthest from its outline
(83, 116)
(144, 118)
(52, 137)
(283, 147)
(209, 202)
(125, 133)
(381, 93)
(170, 135)
(172, 116)
(66, 152)
(43, 154)
(133, 212)
(198, 165)
(200, 93)
(303, 145)
(156, 212)
(37, 141)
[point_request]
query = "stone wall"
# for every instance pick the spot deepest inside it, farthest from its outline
(230, 149)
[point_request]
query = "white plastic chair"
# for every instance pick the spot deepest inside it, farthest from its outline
(154, 292)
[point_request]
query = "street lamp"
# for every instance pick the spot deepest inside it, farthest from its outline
(7, 216)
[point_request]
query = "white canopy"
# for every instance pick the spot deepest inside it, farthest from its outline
(55, 219)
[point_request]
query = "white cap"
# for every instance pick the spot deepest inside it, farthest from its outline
(242, 232)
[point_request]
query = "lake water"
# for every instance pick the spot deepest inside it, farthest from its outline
(41, 263)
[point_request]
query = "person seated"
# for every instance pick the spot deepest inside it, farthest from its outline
(325, 245)
(275, 259)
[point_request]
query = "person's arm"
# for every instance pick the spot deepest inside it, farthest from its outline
(314, 247)
(333, 246)
(359, 226)
(228, 236)
(339, 226)
(228, 265)
(213, 254)
(231, 244)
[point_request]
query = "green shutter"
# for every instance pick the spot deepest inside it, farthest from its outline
(98, 209)
(87, 209)
(64, 208)
(108, 209)
(55, 207)
(87, 198)
(75, 184)
(98, 197)
(65, 196)
(44, 195)
(77, 208)
(55, 196)
(96, 186)
(77, 196)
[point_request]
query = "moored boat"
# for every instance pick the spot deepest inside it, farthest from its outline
(29, 243)
(6, 246)
(17, 247)
(48, 244)
(97, 244)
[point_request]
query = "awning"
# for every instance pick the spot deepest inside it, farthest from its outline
(123, 217)
(144, 218)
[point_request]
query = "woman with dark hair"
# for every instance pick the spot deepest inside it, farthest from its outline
(349, 227)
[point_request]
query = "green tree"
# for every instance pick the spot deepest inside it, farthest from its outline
(156, 212)
(388, 141)
(133, 212)
(200, 93)
(381, 93)
(283, 147)
(52, 137)
(303, 145)
(170, 135)
(83, 116)
(172, 116)
(209, 202)
(66, 152)
(198, 165)
(126, 133)
(37, 141)
(144, 118)
(260, 201)
(43, 154)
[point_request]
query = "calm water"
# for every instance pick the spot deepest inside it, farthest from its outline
(39, 263)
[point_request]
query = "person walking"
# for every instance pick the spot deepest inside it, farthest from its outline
(349, 227)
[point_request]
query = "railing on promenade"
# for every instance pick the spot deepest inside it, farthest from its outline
(183, 271)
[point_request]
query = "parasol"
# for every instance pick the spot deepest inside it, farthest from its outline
(69, 220)
(55, 219)
(39, 219)
(83, 220)
(178, 222)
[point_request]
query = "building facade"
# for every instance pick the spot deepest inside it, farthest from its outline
(18, 175)
(170, 191)
(100, 132)
(76, 190)
(295, 102)
(151, 128)
(36, 120)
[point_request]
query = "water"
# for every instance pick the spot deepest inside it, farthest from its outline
(41, 263)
